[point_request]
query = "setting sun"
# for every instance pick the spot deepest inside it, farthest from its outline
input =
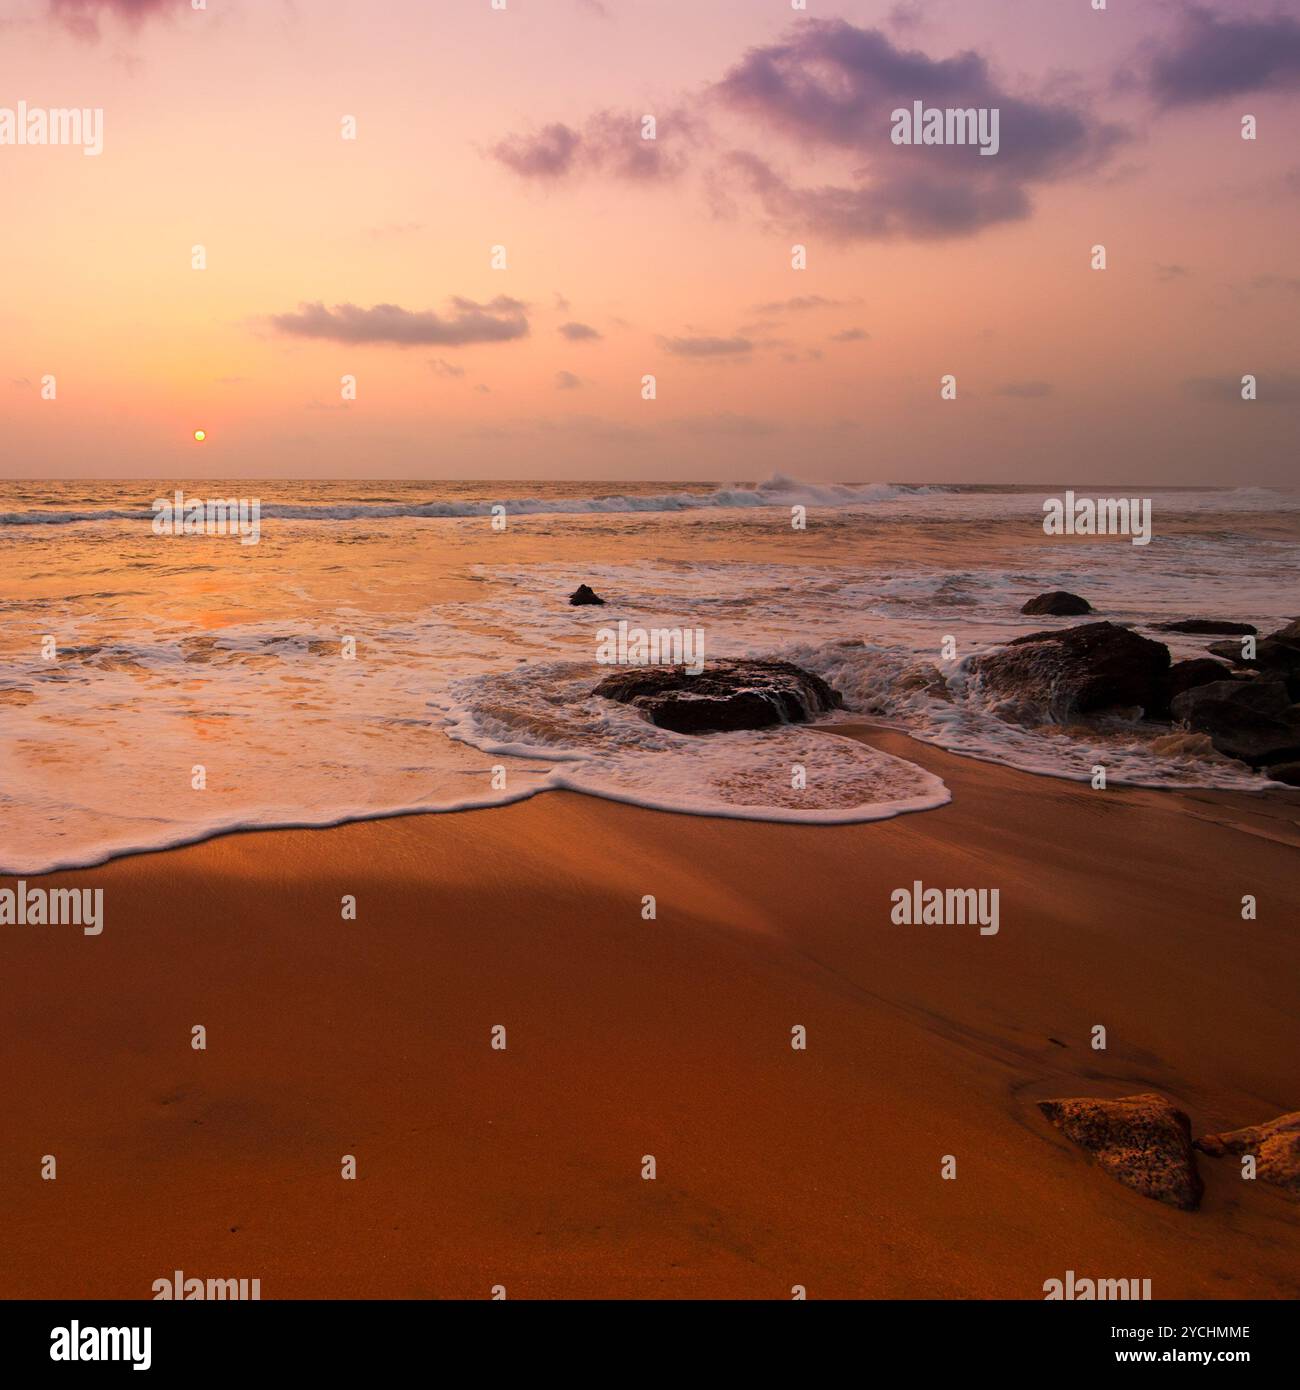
(200, 435)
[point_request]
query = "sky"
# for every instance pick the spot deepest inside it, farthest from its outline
(452, 205)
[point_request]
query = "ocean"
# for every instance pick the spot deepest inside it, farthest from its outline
(393, 647)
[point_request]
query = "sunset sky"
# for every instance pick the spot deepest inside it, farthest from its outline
(521, 128)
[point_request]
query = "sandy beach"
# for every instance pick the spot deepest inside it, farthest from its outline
(626, 1037)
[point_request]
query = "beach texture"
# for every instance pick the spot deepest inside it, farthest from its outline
(670, 1037)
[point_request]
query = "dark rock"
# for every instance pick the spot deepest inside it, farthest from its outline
(1058, 604)
(1187, 675)
(1229, 651)
(1254, 721)
(1286, 772)
(1209, 626)
(726, 695)
(1277, 656)
(582, 594)
(1077, 670)
(1276, 1146)
(1142, 1140)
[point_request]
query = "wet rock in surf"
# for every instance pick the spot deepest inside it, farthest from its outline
(1275, 1146)
(1251, 720)
(1210, 627)
(1058, 604)
(583, 594)
(1076, 670)
(1187, 675)
(1143, 1141)
(726, 695)
(1276, 656)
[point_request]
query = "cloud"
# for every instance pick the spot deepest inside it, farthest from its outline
(501, 320)
(905, 15)
(610, 144)
(566, 381)
(920, 206)
(442, 367)
(802, 302)
(851, 335)
(82, 16)
(706, 347)
(1026, 390)
(1212, 56)
(578, 332)
(832, 85)
(549, 154)
(1171, 272)
(1276, 282)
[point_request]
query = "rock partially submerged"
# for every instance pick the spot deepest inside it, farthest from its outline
(1187, 675)
(1275, 1145)
(1252, 720)
(582, 594)
(1277, 656)
(1144, 1141)
(1078, 670)
(1209, 626)
(1058, 604)
(726, 695)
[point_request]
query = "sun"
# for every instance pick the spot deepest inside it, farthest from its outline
(200, 435)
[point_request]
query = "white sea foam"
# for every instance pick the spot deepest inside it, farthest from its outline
(97, 747)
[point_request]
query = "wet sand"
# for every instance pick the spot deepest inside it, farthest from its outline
(627, 1037)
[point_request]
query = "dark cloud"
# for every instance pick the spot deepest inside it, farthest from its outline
(851, 335)
(578, 332)
(609, 144)
(1212, 56)
(82, 16)
(919, 206)
(706, 346)
(566, 381)
(1171, 272)
(498, 321)
(549, 154)
(444, 368)
(831, 84)
(1026, 390)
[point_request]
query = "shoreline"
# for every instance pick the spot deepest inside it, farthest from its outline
(875, 733)
(670, 1037)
